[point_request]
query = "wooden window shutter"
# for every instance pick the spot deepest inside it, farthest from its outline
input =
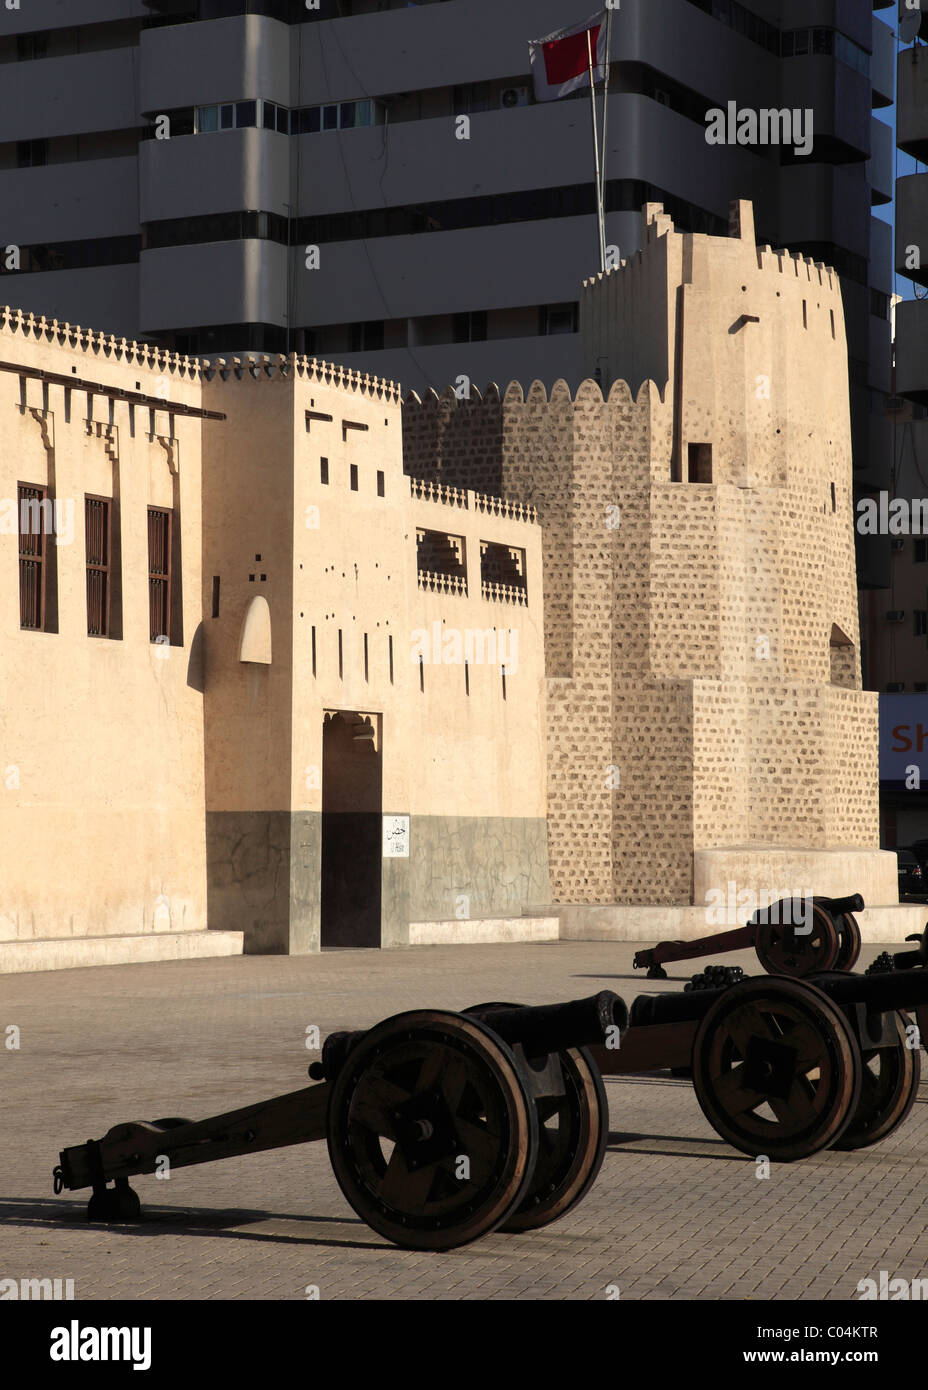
(31, 508)
(97, 539)
(159, 573)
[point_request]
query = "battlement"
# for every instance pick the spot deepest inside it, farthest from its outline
(657, 224)
(71, 338)
(300, 368)
(588, 391)
(18, 325)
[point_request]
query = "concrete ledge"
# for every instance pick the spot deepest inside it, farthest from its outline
(484, 931)
(611, 922)
(18, 957)
(771, 871)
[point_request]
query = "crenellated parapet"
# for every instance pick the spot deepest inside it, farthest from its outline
(17, 325)
(297, 368)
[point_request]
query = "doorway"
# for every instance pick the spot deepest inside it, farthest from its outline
(352, 784)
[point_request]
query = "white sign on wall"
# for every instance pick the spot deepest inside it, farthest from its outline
(396, 837)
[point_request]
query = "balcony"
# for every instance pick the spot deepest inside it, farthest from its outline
(912, 227)
(912, 104)
(912, 350)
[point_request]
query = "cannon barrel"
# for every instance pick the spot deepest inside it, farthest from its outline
(544, 1028)
(852, 903)
(897, 989)
(540, 1029)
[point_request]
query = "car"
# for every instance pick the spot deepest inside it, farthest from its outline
(912, 877)
(920, 849)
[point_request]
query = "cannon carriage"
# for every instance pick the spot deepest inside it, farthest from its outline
(442, 1127)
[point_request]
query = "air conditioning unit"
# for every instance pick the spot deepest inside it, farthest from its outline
(895, 615)
(897, 544)
(513, 96)
(659, 94)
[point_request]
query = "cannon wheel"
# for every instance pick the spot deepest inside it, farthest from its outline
(782, 950)
(849, 942)
(776, 1069)
(890, 1084)
(573, 1131)
(921, 1020)
(431, 1132)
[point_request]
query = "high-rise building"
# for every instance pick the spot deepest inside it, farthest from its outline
(227, 175)
(895, 618)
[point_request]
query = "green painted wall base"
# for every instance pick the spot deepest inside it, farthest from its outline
(265, 868)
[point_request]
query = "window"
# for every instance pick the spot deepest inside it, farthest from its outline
(366, 337)
(207, 119)
(97, 541)
(35, 511)
(921, 622)
(470, 327)
(31, 153)
(324, 470)
(353, 468)
(558, 318)
(699, 463)
(246, 113)
(30, 46)
(380, 482)
(390, 653)
(269, 115)
(226, 116)
(330, 118)
(215, 595)
(159, 573)
(921, 552)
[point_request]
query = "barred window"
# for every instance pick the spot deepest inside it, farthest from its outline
(159, 573)
(34, 506)
(97, 540)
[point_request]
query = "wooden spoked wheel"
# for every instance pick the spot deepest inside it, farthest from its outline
(921, 1022)
(849, 941)
(889, 1086)
(573, 1130)
(776, 1069)
(431, 1133)
(785, 948)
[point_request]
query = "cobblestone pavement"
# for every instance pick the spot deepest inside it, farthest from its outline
(675, 1212)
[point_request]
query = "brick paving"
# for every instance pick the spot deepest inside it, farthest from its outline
(675, 1212)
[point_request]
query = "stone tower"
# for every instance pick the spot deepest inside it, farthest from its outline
(705, 717)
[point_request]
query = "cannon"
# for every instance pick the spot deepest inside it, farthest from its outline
(440, 1126)
(786, 942)
(787, 1067)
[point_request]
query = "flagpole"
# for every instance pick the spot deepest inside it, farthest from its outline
(605, 161)
(599, 192)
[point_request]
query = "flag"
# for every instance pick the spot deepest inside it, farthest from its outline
(560, 61)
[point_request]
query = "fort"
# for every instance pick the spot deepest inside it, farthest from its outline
(672, 547)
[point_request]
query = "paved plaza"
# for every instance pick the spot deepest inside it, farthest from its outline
(675, 1212)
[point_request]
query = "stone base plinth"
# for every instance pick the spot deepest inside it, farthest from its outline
(484, 931)
(18, 957)
(776, 872)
